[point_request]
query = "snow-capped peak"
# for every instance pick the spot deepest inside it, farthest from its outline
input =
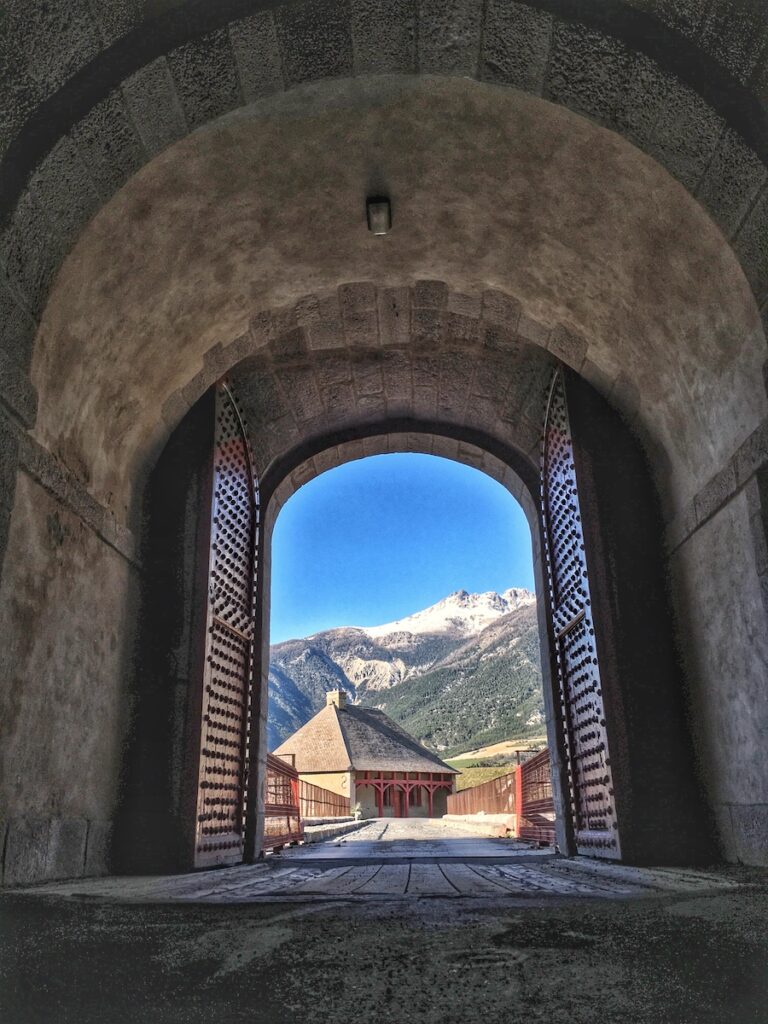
(460, 612)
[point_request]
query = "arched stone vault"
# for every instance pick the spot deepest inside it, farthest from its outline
(94, 90)
(601, 257)
(575, 181)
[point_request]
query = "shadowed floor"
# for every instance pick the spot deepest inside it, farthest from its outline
(343, 934)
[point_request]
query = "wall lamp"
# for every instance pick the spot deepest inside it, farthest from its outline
(379, 214)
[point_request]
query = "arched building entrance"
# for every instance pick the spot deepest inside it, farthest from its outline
(625, 785)
(527, 237)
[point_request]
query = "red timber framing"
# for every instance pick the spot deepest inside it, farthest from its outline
(533, 799)
(391, 783)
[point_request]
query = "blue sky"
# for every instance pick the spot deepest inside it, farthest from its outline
(377, 539)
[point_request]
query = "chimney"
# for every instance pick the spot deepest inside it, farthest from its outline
(336, 697)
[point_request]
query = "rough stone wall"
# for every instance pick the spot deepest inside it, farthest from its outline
(67, 607)
(722, 582)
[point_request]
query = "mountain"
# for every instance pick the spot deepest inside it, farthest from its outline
(460, 674)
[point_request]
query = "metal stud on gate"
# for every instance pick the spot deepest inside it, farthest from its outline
(229, 661)
(578, 672)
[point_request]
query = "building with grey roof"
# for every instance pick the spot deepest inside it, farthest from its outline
(361, 753)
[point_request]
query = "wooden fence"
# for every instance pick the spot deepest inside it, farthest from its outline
(316, 802)
(537, 814)
(494, 797)
(282, 819)
(526, 791)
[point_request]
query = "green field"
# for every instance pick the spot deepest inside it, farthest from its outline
(472, 775)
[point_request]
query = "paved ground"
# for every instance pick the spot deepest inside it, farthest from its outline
(347, 935)
(412, 838)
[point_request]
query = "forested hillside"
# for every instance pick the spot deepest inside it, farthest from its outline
(461, 674)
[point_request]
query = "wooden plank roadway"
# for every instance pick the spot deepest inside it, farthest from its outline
(277, 881)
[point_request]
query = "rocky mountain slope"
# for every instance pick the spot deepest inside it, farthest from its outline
(462, 673)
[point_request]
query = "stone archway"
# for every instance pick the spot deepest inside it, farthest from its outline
(554, 245)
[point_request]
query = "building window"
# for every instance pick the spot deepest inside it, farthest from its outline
(388, 796)
(416, 796)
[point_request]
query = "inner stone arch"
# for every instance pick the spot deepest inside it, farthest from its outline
(559, 221)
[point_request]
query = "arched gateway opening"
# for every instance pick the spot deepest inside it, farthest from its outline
(571, 248)
(572, 296)
(624, 780)
(404, 644)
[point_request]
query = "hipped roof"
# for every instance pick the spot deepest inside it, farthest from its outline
(358, 739)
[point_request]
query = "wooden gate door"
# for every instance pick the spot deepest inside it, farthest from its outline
(227, 667)
(595, 827)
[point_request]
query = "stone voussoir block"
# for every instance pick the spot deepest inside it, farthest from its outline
(497, 307)
(109, 144)
(516, 45)
(315, 39)
(686, 134)
(533, 332)
(84, 505)
(216, 359)
(303, 396)
(238, 349)
(394, 308)
(155, 107)
(9, 460)
(198, 385)
(568, 346)
(328, 332)
(499, 338)
(371, 405)
(732, 182)
(430, 294)
(63, 189)
(383, 36)
(464, 329)
(359, 313)
(205, 77)
(449, 34)
(257, 55)
(327, 459)
(642, 99)
(303, 474)
(306, 310)
(428, 327)
(368, 378)
(465, 305)
(339, 399)
(289, 344)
